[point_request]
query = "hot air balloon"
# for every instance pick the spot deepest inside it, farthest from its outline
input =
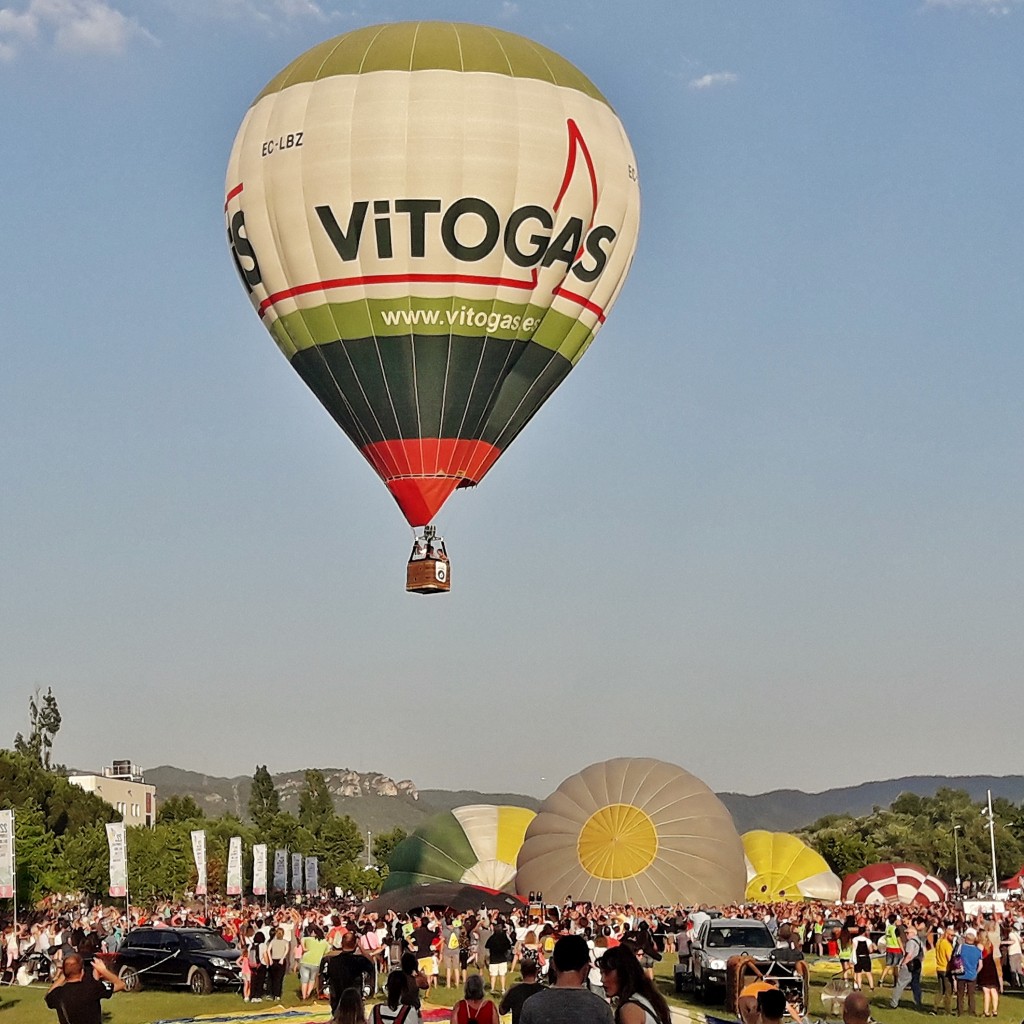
(898, 883)
(476, 844)
(633, 829)
(782, 867)
(433, 221)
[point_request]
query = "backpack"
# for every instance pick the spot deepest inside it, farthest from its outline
(377, 1016)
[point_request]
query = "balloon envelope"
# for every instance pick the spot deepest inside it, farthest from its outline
(476, 845)
(432, 220)
(782, 867)
(897, 883)
(633, 829)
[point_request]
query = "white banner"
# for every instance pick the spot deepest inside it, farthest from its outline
(117, 841)
(7, 855)
(280, 870)
(312, 875)
(199, 854)
(234, 886)
(296, 872)
(259, 869)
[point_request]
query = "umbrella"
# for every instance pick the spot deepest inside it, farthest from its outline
(443, 894)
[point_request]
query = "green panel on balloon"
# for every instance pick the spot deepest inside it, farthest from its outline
(437, 851)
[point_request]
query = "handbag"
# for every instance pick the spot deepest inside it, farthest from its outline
(956, 964)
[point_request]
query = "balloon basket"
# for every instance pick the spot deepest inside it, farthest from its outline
(428, 576)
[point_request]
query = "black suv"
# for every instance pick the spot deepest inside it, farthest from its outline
(196, 957)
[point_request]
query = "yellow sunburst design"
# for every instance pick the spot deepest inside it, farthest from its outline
(617, 841)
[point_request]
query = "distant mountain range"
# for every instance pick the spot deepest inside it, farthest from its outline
(378, 803)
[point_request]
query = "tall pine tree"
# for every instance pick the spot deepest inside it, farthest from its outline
(264, 801)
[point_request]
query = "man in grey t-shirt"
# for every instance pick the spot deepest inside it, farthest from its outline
(568, 1001)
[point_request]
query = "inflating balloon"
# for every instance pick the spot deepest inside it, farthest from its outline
(476, 844)
(433, 221)
(782, 867)
(895, 883)
(633, 829)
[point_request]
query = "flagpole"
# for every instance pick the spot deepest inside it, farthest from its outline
(14, 879)
(127, 896)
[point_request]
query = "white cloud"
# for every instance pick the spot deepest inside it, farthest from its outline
(714, 80)
(75, 26)
(994, 7)
(267, 11)
(509, 9)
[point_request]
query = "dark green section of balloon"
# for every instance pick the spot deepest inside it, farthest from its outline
(437, 851)
(478, 388)
(432, 45)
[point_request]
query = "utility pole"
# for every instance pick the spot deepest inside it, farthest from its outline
(992, 840)
(956, 854)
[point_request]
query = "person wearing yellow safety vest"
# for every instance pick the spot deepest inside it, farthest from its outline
(892, 940)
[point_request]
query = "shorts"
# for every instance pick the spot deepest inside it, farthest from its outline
(498, 970)
(892, 959)
(426, 965)
(450, 958)
(308, 973)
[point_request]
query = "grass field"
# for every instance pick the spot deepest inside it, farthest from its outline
(26, 1006)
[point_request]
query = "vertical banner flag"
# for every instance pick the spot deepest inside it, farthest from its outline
(312, 875)
(297, 872)
(199, 854)
(234, 886)
(259, 869)
(6, 855)
(280, 870)
(117, 842)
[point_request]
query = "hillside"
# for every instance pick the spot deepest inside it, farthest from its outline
(784, 810)
(374, 801)
(378, 803)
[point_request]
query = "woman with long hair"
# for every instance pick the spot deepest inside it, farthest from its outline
(990, 975)
(350, 1009)
(636, 999)
(396, 1009)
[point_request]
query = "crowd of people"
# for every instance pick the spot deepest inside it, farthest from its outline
(608, 953)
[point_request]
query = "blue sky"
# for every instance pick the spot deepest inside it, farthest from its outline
(790, 556)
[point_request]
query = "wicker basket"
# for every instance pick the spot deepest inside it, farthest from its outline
(428, 576)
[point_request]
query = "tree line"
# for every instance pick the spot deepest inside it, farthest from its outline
(61, 843)
(933, 831)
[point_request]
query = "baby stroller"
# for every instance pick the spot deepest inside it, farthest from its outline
(790, 977)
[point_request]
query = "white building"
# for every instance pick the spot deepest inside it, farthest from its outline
(123, 787)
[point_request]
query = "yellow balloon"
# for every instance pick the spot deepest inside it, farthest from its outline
(782, 867)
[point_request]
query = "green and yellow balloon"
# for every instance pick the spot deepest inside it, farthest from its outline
(433, 221)
(477, 844)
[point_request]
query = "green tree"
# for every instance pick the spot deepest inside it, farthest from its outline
(85, 862)
(264, 801)
(340, 843)
(316, 808)
(44, 722)
(180, 808)
(37, 862)
(66, 808)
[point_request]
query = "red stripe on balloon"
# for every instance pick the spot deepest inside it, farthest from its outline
(347, 282)
(371, 279)
(585, 303)
(231, 195)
